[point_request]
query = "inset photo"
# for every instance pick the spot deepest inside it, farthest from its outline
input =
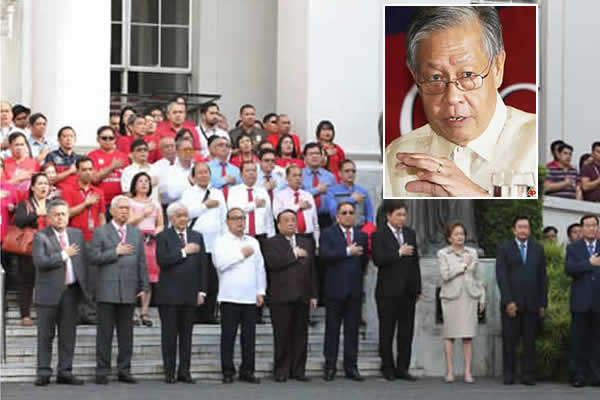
(460, 95)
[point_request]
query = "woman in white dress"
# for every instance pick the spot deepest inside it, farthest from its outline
(462, 295)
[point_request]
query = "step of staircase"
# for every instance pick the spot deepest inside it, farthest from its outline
(147, 359)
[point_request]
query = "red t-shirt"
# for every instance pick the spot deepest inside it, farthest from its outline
(274, 139)
(124, 143)
(153, 155)
(88, 219)
(334, 161)
(237, 161)
(13, 169)
(284, 162)
(165, 129)
(111, 185)
(591, 171)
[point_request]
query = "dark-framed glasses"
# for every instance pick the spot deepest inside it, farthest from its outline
(469, 81)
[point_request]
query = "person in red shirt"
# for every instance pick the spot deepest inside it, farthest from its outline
(555, 154)
(65, 158)
(108, 164)
(246, 154)
(136, 129)
(126, 112)
(175, 122)
(335, 154)
(277, 130)
(151, 138)
(19, 168)
(286, 152)
(86, 210)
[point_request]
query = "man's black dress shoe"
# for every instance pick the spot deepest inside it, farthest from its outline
(578, 383)
(406, 376)
(101, 380)
(280, 379)
(170, 379)
(187, 379)
(250, 378)
(389, 376)
(329, 375)
(68, 380)
(227, 379)
(354, 375)
(127, 378)
(42, 381)
(528, 382)
(302, 378)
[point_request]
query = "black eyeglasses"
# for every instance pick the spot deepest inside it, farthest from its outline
(107, 138)
(347, 213)
(350, 170)
(238, 218)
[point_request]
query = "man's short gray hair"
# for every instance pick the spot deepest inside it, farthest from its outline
(176, 206)
(173, 104)
(56, 203)
(118, 198)
(427, 20)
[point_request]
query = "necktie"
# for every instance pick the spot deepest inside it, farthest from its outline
(63, 245)
(122, 232)
(399, 237)
(523, 254)
(301, 220)
(251, 216)
(348, 237)
(268, 179)
(225, 186)
(318, 195)
(591, 249)
(182, 238)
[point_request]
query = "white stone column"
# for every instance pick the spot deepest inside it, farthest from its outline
(71, 65)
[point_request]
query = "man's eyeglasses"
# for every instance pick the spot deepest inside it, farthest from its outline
(347, 213)
(469, 81)
(141, 150)
(269, 160)
(238, 218)
(107, 138)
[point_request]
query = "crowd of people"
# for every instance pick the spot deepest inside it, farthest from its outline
(565, 180)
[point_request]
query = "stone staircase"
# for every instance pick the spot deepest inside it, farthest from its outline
(147, 360)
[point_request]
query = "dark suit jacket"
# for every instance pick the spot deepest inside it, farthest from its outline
(290, 278)
(180, 278)
(120, 278)
(47, 259)
(524, 284)
(585, 289)
(396, 274)
(344, 274)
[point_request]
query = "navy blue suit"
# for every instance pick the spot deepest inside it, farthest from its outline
(343, 291)
(585, 312)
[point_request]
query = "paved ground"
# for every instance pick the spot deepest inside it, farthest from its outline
(429, 389)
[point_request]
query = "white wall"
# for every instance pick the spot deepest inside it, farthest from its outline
(10, 60)
(561, 213)
(238, 53)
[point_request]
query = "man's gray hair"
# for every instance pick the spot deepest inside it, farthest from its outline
(176, 206)
(118, 198)
(173, 104)
(56, 203)
(427, 20)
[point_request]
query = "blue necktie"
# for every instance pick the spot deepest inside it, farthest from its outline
(591, 249)
(523, 255)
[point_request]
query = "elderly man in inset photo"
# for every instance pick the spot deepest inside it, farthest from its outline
(456, 57)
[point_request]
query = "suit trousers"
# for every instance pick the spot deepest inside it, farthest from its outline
(88, 308)
(259, 310)
(176, 321)
(63, 316)
(233, 315)
(584, 351)
(396, 317)
(207, 311)
(290, 330)
(26, 274)
(348, 311)
(109, 316)
(523, 326)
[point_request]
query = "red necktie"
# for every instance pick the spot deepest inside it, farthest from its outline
(225, 186)
(268, 179)
(251, 222)
(318, 195)
(348, 237)
(301, 220)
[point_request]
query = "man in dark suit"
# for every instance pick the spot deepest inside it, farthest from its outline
(583, 265)
(118, 251)
(181, 254)
(398, 289)
(343, 248)
(521, 277)
(60, 273)
(293, 289)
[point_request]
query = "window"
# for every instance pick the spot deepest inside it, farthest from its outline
(150, 45)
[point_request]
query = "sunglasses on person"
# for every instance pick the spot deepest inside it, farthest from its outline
(107, 138)
(347, 213)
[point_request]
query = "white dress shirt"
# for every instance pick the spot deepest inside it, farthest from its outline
(263, 216)
(241, 278)
(205, 133)
(176, 179)
(69, 274)
(508, 143)
(277, 175)
(286, 198)
(131, 170)
(210, 221)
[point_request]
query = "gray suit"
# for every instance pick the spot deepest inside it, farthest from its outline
(120, 279)
(56, 302)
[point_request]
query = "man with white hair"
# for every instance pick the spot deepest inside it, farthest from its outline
(242, 287)
(181, 254)
(118, 251)
(175, 122)
(456, 57)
